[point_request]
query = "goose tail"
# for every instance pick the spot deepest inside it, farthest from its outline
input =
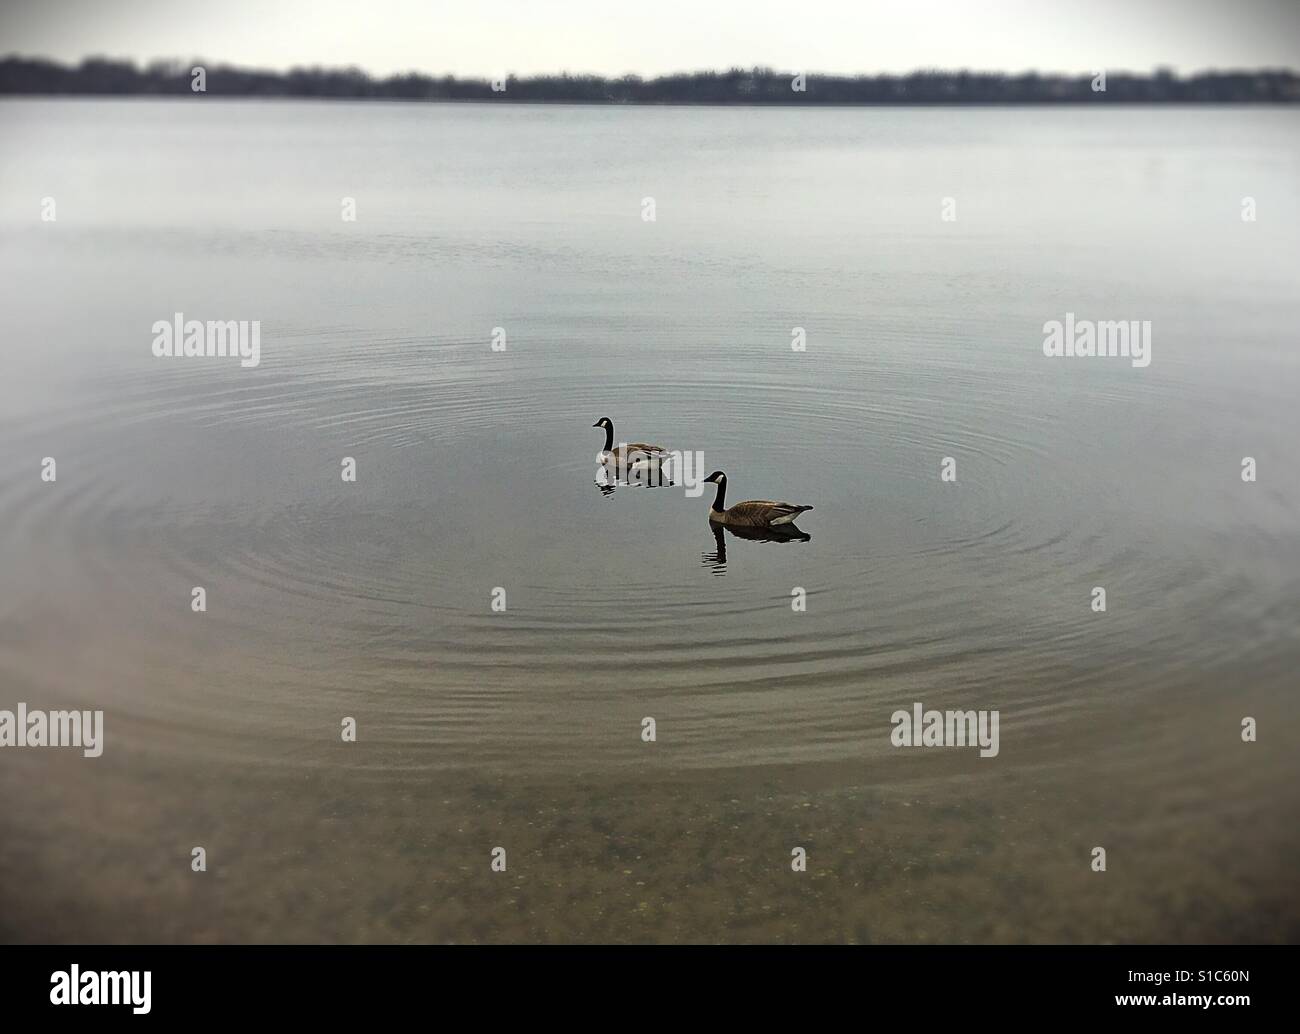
(790, 516)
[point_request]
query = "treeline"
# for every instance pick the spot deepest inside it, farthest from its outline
(97, 75)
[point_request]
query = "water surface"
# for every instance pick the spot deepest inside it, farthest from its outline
(476, 470)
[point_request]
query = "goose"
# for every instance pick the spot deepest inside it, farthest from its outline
(640, 455)
(753, 513)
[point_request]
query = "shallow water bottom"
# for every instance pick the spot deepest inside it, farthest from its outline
(907, 849)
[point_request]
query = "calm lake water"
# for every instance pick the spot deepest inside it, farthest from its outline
(476, 470)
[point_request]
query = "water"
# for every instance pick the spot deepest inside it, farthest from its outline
(476, 470)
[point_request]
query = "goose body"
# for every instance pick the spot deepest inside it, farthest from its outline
(753, 513)
(628, 455)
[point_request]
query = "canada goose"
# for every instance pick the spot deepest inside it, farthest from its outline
(753, 513)
(636, 455)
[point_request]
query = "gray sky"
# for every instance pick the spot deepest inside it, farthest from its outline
(611, 37)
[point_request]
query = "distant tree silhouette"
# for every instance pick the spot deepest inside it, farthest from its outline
(101, 75)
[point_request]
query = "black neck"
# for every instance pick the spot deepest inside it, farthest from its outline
(609, 437)
(719, 499)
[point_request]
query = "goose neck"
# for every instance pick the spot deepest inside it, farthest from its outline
(719, 500)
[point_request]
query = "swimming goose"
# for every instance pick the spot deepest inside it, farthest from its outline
(753, 513)
(640, 454)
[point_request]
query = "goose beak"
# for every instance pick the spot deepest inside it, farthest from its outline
(595, 425)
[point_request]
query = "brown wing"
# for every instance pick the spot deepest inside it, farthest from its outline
(760, 513)
(649, 450)
(638, 450)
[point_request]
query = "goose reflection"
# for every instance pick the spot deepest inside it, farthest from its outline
(609, 479)
(717, 560)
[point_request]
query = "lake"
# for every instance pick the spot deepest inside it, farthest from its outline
(970, 494)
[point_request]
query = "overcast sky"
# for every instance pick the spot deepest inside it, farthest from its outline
(612, 37)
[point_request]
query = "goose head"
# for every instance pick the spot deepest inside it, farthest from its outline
(717, 477)
(607, 425)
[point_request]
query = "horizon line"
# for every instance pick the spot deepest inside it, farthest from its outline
(760, 86)
(1156, 71)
